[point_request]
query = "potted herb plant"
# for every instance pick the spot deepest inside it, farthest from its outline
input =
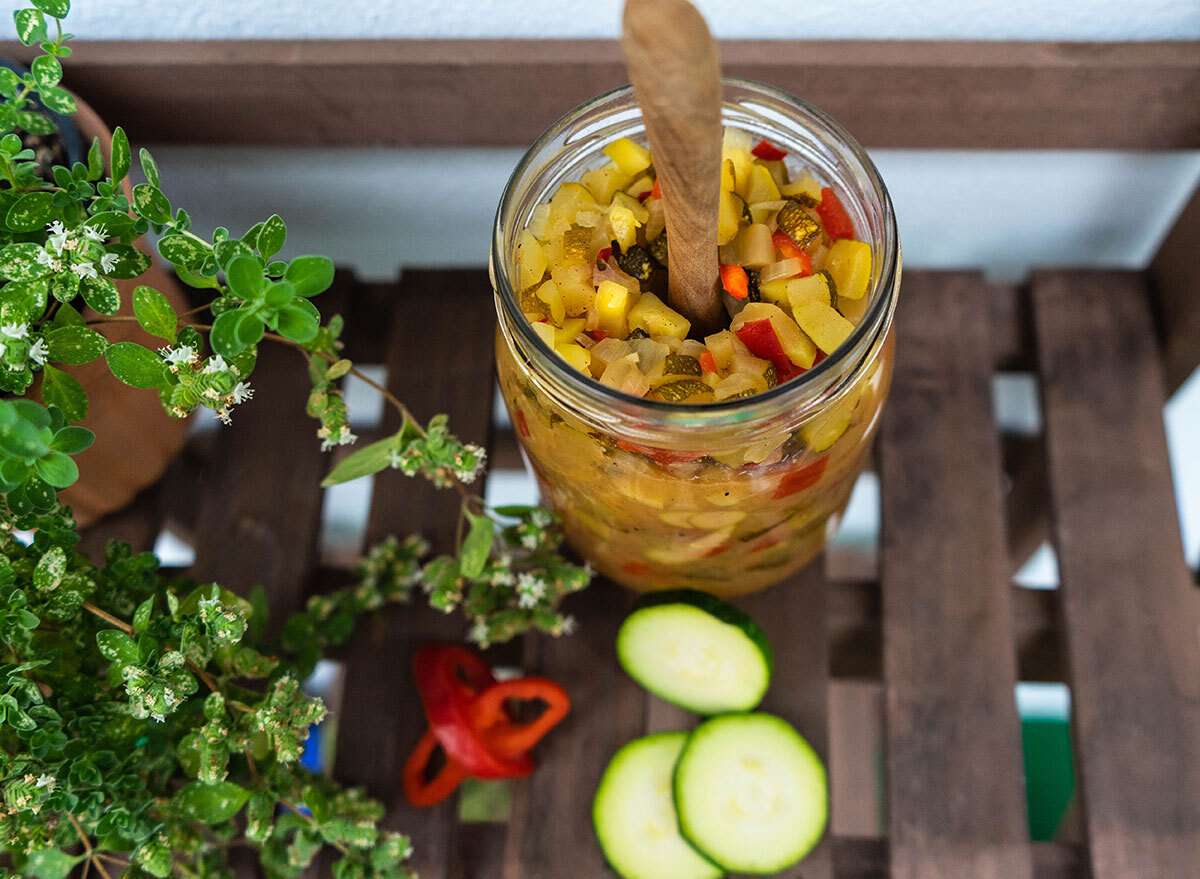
(146, 726)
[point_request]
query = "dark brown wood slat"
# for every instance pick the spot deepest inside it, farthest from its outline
(1132, 615)
(866, 858)
(793, 616)
(955, 774)
(438, 360)
(259, 510)
(1175, 271)
(965, 94)
(550, 831)
(137, 524)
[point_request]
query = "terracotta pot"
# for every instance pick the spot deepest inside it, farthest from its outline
(135, 438)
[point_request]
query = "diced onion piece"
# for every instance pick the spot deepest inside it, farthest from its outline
(748, 364)
(652, 357)
(531, 259)
(613, 272)
(785, 268)
(548, 293)
(762, 186)
(624, 375)
(691, 348)
(720, 345)
(657, 219)
(737, 385)
(539, 221)
(607, 351)
(589, 219)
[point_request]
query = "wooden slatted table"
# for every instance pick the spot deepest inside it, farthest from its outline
(941, 627)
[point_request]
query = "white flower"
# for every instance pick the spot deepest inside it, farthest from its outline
(45, 258)
(58, 236)
(96, 233)
(158, 717)
(568, 625)
(530, 591)
(84, 269)
(46, 781)
(108, 262)
(394, 459)
(38, 352)
(216, 363)
(343, 438)
(224, 416)
(241, 392)
(14, 331)
(479, 632)
(184, 354)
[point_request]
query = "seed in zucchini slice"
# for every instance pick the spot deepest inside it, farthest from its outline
(795, 222)
(681, 364)
(673, 392)
(752, 291)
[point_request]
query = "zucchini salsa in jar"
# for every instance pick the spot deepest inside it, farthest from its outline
(676, 459)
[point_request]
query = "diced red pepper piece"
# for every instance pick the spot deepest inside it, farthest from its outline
(833, 215)
(708, 363)
(604, 254)
(768, 152)
(522, 424)
(801, 478)
(735, 281)
(635, 568)
(656, 190)
(717, 550)
(759, 336)
(642, 196)
(662, 456)
(820, 355)
(791, 250)
(599, 335)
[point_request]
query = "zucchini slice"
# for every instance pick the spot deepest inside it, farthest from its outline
(695, 651)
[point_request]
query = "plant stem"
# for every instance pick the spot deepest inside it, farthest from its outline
(107, 617)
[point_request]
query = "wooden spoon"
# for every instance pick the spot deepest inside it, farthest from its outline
(672, 62)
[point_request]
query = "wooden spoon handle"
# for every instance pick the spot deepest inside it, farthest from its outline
(672, 62)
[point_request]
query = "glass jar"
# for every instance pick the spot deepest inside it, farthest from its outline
(726, 497)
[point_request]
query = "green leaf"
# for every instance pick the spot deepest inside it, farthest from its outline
(115, 224)
(23, 301)
(209, 803)
(120, 154)
(149, 202)
(116, 646)
(67, 316)
(95, 161)
(298, 322)
(65, 286)
(131, 262)
(365, 461)
(244, 275)
(59, 100)
(31, 212)
(31, 26)
(271, 236)
(18, 262)
(249, 328)
(64, 391)
(51, 863)
(75, 345)
(310, 275)
(47, 71)
(136, 366)
(155, 313)
(230, 249)
(478, 545)
(57, 8)
(223, 337)
(192, 279)
(50, 569)
(57, 469)
(36, 123)
(72, 440)
(182, 250)
(101, 294)
(149, 167)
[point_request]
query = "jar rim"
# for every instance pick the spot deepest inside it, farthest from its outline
(875, 321)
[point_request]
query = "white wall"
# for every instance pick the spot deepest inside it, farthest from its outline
(837, 19)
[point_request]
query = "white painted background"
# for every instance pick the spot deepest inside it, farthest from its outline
(379, 210)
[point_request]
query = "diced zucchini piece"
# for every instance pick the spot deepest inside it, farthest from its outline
(624, 226)
(814, 288)
(531, 259)
(775, 291)
(681, 364)
(613, 302)
(729, 216)
(635, 262)
(545, 332)
(739, 384)
(823, 324)
(743, 170)
(804, 189)
(639, 211)
(576, 246)
(849, 262)
(751, 248)
(576, 355)
(827, 428)
(794, 221)
(762, 185)
(777, 169)
(632, 158)
(684, 389)
(761, 212)
(658, 248)
(727, 179)
(549, 295)
(657, 318)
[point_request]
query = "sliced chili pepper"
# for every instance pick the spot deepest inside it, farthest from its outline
(599, 335)
(603, 254)
(449, 679)
(801, 478)
(708, 363)
(833, 215)
(791, 250)
(656, 191)
(768, 152)
(735, 281)
(662, 456)
(642, 196)
(505, 737)
(635, 568)
(522, 423)
(422, 792)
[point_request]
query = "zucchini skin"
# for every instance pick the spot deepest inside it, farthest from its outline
(714, 607)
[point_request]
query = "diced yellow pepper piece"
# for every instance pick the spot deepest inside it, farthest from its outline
(545, 332)
(548, 293)
(624, 226)
(801, 188)
(569, 332)
(743, 169)
(729, 216)
(576, 355)
(632, 158)
(639, 210)
(762, 186)
(645, 183)
(575, 286)
(603, 182)
(727, 182)
(849, 262)
(823, 324)
(531, 259)
(613, 302)
(775, 291)
(814, 288)
(657, 318)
